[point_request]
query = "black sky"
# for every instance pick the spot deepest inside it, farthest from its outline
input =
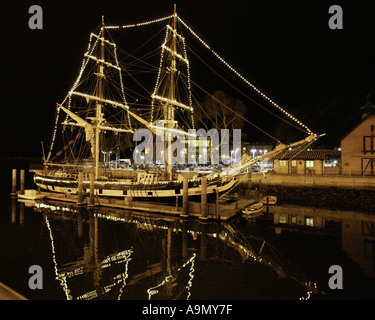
(322, 76)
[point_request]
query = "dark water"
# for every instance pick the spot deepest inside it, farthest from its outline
(110, 254)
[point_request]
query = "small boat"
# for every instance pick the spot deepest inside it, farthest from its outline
(269, 200)
(31, 194)
(253, 208)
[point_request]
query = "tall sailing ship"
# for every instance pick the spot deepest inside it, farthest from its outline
(95, 116)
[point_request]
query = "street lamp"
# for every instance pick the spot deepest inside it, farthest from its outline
(253, 152)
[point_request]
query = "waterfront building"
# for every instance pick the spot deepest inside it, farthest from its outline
(358, 145)
(308, 162)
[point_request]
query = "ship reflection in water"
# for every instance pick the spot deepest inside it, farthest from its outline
(104, 253)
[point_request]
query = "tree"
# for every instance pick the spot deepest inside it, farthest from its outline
(220, 111)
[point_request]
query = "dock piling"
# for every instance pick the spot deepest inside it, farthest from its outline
(185, 198)
(217, 204)
(80, 188)
(203, 198)
(14, 182)
(92, 181)
(22, 181)
(128, 200)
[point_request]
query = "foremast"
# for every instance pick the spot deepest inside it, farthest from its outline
(98, 123)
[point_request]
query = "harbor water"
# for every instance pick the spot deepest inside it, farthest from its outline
(103, 253)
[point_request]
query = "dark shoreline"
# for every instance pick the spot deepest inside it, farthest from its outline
(333, 198)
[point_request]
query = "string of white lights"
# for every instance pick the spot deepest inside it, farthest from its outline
(263, 95)
(68, 97)
(122, 86)
(182, 58)
(139, 24)
(88, 56)
(158, 77)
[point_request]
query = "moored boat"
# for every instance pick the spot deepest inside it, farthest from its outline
(95, 117)
(253, 209)
(31, 194)
(269, 200)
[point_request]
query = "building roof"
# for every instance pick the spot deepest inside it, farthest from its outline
(367, 116)
(308, 154)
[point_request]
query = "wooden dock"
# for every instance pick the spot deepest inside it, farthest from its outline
(224, 212)
(202, 210)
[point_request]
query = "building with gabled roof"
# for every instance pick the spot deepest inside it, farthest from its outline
(358, 148)
(307, 161)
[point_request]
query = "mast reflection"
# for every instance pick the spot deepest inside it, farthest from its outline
(104, 253)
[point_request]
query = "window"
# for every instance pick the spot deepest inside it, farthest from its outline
(310, 222)
(368, 144)
(282, 163)
(294, 220)
(282, 219)
(294, 163)
(309, 163)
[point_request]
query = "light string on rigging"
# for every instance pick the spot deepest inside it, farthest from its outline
(90, 50)
(263, 95)
(139, 24)
(244, 79)
(69, 96)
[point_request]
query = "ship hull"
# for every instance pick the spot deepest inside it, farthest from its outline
(120, 188)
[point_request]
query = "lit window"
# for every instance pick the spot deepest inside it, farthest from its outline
(282, 219)
(310, 163)
(310, 222)
(294, 163)
(282, 163)
(294, 220)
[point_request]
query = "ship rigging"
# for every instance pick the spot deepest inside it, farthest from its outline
(97, 105)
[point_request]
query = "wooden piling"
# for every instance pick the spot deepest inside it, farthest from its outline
(128, 200)
(22, 182)
(22, 213)
(92, 182)
(14, 210)
(185, 196)
(14, 182)
(80, 188)
(203, 198)
(217, 204)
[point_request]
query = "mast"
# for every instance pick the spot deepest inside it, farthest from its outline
(170, 107)
(99, 115)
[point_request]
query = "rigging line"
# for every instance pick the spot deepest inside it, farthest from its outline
(140, 84)
(139, 24)
(302, 147)
(245, 95)
(239, 115)
(128, 55)
(264, 96)
(90, 49)
(146, 42)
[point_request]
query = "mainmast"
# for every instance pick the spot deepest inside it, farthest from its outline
(100, 92)
(169, 94)
(169, 113)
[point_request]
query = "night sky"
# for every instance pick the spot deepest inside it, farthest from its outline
(321, 76)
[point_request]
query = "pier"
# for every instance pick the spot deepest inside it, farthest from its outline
(223, 212)
(202, 210)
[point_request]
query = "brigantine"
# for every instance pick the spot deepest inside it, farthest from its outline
(96, 105)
